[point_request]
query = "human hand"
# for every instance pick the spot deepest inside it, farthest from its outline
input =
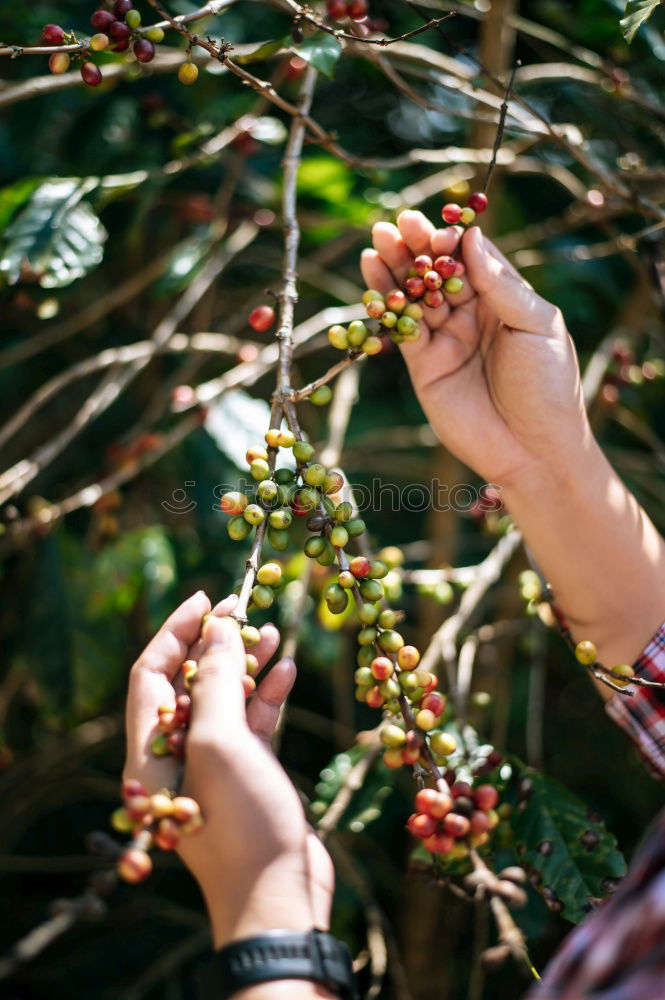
(256, 860)
(494, 369)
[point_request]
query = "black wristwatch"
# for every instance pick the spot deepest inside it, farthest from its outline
(284, 954)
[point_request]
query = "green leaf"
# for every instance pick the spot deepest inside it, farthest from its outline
(366, 803)
(322, 51)
(636, 13)
(266, 50)
(548, 833)
(326, 178)
(13, 196)
(56, 236)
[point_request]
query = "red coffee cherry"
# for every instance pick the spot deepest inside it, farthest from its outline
(422, 264)
(451, 214)
(478, 202)
(121, 8)
(415, 287)
(457, 826)
(382, 668)
(486, 797)
(360, 567)
(479, 823)
(144, 50)
(134, 865)
(433, 298)
(91, 74)
(421, 825)
(52, 34)
(118, 31)
(336, 9)
(433, 280)
(132, 787)
(439, 843)
(261, 318)
(102, 20)
(445, 266)
(357, 9)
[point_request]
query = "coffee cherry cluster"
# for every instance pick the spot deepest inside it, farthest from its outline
(455, 215)
(158, 820)
(450, 824)
(173, 721)
(355, 10)
(396, 315)
(114, 30)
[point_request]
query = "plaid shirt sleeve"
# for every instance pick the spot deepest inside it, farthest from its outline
(618, 952)
(643, 715)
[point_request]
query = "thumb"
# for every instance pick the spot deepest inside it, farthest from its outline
(504, 291)
(218, 701)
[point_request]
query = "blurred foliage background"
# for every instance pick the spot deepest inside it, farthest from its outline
(112, 206)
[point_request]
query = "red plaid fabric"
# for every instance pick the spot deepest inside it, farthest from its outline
(618, 953)
(643, 715)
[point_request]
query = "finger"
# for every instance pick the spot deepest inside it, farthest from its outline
(267, 645)
(416, 231)
(218, 702)
(150, 682)
(375, 272)
(222, 609)
(264, 708)
(397, 256)
(507, 295)
(225, 606)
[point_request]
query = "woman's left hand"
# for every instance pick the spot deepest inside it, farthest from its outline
(260, 866)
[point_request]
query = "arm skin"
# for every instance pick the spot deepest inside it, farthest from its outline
(496, 373)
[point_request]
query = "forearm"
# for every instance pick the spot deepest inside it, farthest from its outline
(599, 551)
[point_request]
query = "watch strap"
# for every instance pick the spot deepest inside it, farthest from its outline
(285, 954)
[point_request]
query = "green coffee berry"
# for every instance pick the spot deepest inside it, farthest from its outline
(250, 636)
(337, 337)
(284, 477)
(259, 469)
(365, 655)
(267, 490)
(262, 596)
(327, 557)
(269, 574)
(339, 536)
(279, 539)
(303, 451)
(315, 475)
(343, 512)
(390, 641)
(355, 527)
(371, 590)
(356, 333)
(336, 598)
(280, 519)
(378, 570)
(367, 635)
(368, 615)
(363, 677)
(321, 396)
(253, 514)
(238, 529)
(314, 546)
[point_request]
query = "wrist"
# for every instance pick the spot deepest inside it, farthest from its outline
(565, 472)
(281, 895)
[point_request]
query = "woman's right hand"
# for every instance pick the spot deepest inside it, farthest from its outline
(494, 369)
